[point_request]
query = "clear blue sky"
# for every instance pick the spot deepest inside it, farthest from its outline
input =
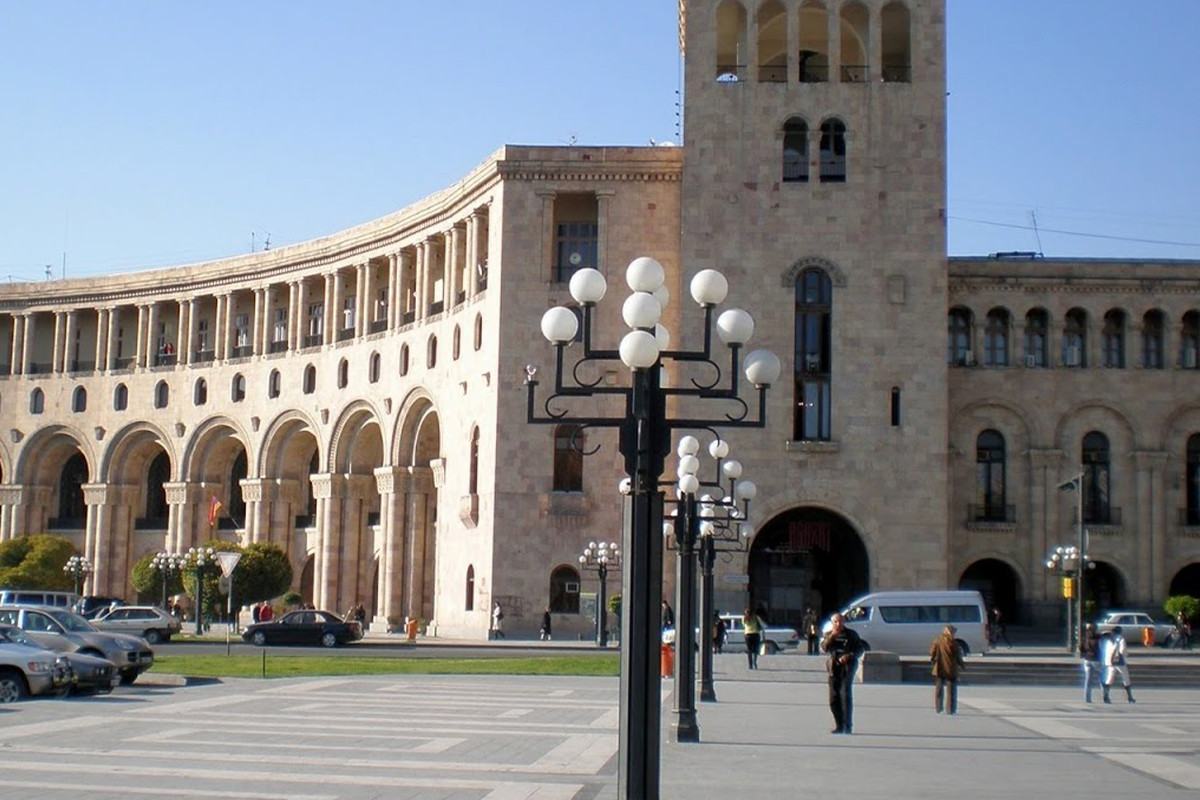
(139, 134)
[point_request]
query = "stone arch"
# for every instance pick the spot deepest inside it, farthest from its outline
(1106, 586)
(417, 423)
(6, 472)
(359, 424)
(1088, 415)
(47, 450)
(126, 458)
(1000, 580)
(835, 272)
(1185, 578)
(205, 444)
(1176, 428)
(279, 445)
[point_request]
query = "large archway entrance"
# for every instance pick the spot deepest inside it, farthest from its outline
(1186, 581)
(998, 583)
(806, 557)
(1103, 589)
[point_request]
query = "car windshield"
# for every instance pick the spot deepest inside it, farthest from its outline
(17, 636)
(72, 622)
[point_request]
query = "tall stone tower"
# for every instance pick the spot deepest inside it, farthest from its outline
(815, 178)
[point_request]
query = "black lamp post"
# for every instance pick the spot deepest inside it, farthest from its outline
(77, 567)
(200, 559)
(1070, 564)
(1075, 484)
(644, 432)
(168, 564)
(601, 557)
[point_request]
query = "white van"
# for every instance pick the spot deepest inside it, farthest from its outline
(906, 623)
(37, 597)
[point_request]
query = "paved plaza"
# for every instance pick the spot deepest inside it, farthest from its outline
(434, 737)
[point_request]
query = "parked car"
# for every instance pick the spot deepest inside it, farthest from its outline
(65, 632)
(86, 674)
(37, 597)
(778, 637)
(91, 606)
(26, 670)
(304, 627)
(150, 622)
(906, 622)
(1133, 625)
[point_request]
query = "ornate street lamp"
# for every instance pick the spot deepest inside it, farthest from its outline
(169, 565)
(77, 567)
(1069, 563)
(201, 560)
(601, 558)
(1075, 484)
(644, 435)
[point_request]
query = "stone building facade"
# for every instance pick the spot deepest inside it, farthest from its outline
(358, 399)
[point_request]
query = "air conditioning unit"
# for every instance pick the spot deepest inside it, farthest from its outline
(1073, 356)
(966, 360)
(1189, 359)
(1030, 361)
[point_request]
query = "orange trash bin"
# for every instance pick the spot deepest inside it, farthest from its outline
(410, 630)
(667, 662)
(1148, 636)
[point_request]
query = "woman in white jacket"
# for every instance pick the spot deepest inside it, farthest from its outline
(1114, 662)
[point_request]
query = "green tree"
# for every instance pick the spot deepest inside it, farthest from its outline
(36, 562)
(262, 573)
(1189, 605)
(148, 582)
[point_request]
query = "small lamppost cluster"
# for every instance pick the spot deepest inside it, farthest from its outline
(78, 567)
(169, 564)
(601, 558)
(1068, 562)
(200, 560)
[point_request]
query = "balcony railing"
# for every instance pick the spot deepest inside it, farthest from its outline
(242, 352)
(204, 356)
(1101, 516)
(437, 307)
(5, 369)
(814, 73)
(313, 340)
(772, 73)
(372, 519)
(345, 334)
(379, 326)
(306, 521)
(460, 297)
(123, 363)
(38, 367)
(278, 347)
(164, 360)
(991, 512)
(896, 73)
(855, 73)
(408, 317)
(83, 366)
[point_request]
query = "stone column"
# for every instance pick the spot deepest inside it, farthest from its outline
(453, 271)
(1151, 527)
(393, 295)
(423, 257)
(101, 352)
(187, 351)
(256, 511)
(546, 270)
(418, 541)
(329, 490)
(358, 553)
(1044, 469)
(408, 284)
(17, 356)
(302, 302)
(227, 325)
(360, 307)
(28, 332)
(835, 45)
(333, 301)
(219, 327)
(603, 206)
(109, 525)
(152, 348)
(391, 483)
(182, 500)
(11, 499)
(472, 256)
(58, 351)
(114, 327)
(258, 323)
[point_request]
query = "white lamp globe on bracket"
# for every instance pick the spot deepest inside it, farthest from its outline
(688, 465)
(689, 483)
(641, 311)
(709, 287)
(559, 325)
(688, 446)
(588, 286)
(746, 530)
(732, 469)
(735, 326)
(746, 490)
(639, 350)
(644, 274)
(762, 367)
(718, 448)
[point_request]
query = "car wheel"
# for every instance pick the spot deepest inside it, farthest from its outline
(12, 687)
(259, 638)
(328, 640)
(152, 637)
(128, 677)
(772, 648)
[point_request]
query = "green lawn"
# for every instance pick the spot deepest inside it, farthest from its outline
(287, 666)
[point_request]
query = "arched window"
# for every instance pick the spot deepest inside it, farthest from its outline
(855, 37)
(1097, 478)
(473, 475)
(1075, 338)
(896, 44)
(478, 331)
(568, 458)
(403, 360)
(469, 605)
(772, 42)
(274, 384)
(1189, 341)
(237, 391)
(373, 369)
(564, 591)
(1192, 481)
(1037, 326)
(813, 356)
(343, 373)
(814, 42)
(162, 395)
(995, 338)
(1152, 340)
(200, 392)
(72, 511)
(431, 353)
(833, 151)
(1113, 339)
(456, 343)
(989, 478)
(958, 348)
(37, 401)
(310, 379)
(156, 493)
(120, 397)
(79, 400)
(731, 41)
(795, 151)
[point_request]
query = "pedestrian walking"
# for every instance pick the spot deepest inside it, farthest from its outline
(255, 610)
(265, 612)
(812, 630)
(752, 628)
(497, 621)
(1089, 657)
(998, 628)
(545, 633)
(1183, 631)
(1114, 662)
(668, 615)
(946, 656)
(844, 647)
(720, 633)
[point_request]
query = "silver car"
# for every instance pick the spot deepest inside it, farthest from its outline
(26, 671)
(86, 674)
(151, 623)
(66, 632)
(1133, 626)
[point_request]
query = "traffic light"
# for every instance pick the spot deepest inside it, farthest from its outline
(1068, 588)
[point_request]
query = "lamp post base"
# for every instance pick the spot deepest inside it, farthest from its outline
(685, 728)
(707, 694)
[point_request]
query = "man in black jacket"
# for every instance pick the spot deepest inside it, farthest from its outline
(844, 647)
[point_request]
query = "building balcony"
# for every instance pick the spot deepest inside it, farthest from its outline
(991, 517)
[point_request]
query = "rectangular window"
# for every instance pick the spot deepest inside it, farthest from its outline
(202, 336)
(241, 326)
(813, 410)
(576, 234)
(280, 331)
(348, 312)
(316, 319)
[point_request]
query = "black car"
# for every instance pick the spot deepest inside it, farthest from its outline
(91, 605)
(304, 627)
